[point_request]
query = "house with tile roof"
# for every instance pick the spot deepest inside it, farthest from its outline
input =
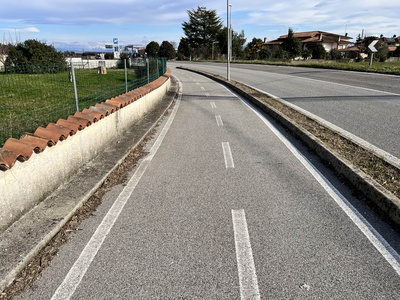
(311, 38)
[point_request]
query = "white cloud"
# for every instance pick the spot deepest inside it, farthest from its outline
(29, 29)
(161, 19)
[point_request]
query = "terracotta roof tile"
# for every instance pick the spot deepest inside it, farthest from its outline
(74, 127)
(115, 103)
(99, 114)
(125, 99)
(88, 117)
(110, 106)
(7, 159)
(22, 149)
(134, 94)
(49, 134)
(38, 144)
(64, 131)
(83, 123)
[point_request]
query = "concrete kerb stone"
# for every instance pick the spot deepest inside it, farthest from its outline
(54, 222)
(382, 198)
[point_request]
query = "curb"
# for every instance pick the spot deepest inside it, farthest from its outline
(387, 202)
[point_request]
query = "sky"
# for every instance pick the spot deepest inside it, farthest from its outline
(87, 25)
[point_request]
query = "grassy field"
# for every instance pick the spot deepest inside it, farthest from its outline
(31, 100)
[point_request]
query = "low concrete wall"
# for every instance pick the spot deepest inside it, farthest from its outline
(27, 184)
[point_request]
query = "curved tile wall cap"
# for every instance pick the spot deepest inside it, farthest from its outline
(96, 114)
(115, 103)
(103, 111)
(64, 131)
(126, 99)
(82, 123)
(88, 117)
(108, 109)
(142, 91)
(49, 135)
(22, 150)
(38, 144)
(7, 159)
(134, 94)
(70, 125)
(111, 106)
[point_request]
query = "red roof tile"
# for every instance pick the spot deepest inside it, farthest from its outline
(7, 159)
(107, 109)
(95, 112)
(89, 117)
(23, 150)
(50, 135)
(74, 127)
(63, 131)
(83, 123)
(115, 103)
(38, 144)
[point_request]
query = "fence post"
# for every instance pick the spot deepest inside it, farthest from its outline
(75, 89)
(148, 70)
(126, 77)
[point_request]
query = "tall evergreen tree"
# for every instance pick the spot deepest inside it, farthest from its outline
(201, 30)
(167, 50)
(152, 49)
(292, 45)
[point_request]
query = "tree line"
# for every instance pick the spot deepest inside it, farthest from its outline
(205, 37)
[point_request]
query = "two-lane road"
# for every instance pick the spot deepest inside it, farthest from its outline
(364, 104)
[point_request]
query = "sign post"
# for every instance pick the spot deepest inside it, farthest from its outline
(373, 50)
(116, 48)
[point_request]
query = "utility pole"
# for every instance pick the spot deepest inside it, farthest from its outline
(228, 67)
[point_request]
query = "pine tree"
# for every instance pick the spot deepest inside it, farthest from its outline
(292, 45)
(167, 50)
(201, 30)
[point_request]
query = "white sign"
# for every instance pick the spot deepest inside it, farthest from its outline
(372, 46)
(116, 48)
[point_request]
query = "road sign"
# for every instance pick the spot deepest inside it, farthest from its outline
(372, 46)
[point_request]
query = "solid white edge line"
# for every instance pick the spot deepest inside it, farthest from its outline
(391, 158)
(82, 264)
(244, 255)
(228, 155)
(391, 256)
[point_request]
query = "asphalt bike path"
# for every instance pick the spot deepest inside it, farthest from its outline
(222, 207)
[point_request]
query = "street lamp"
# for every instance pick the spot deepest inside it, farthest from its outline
(230, 32)
(228, 67)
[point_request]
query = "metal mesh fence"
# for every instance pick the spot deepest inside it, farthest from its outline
(34, 96)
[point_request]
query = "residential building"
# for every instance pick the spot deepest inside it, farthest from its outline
(311, 38)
